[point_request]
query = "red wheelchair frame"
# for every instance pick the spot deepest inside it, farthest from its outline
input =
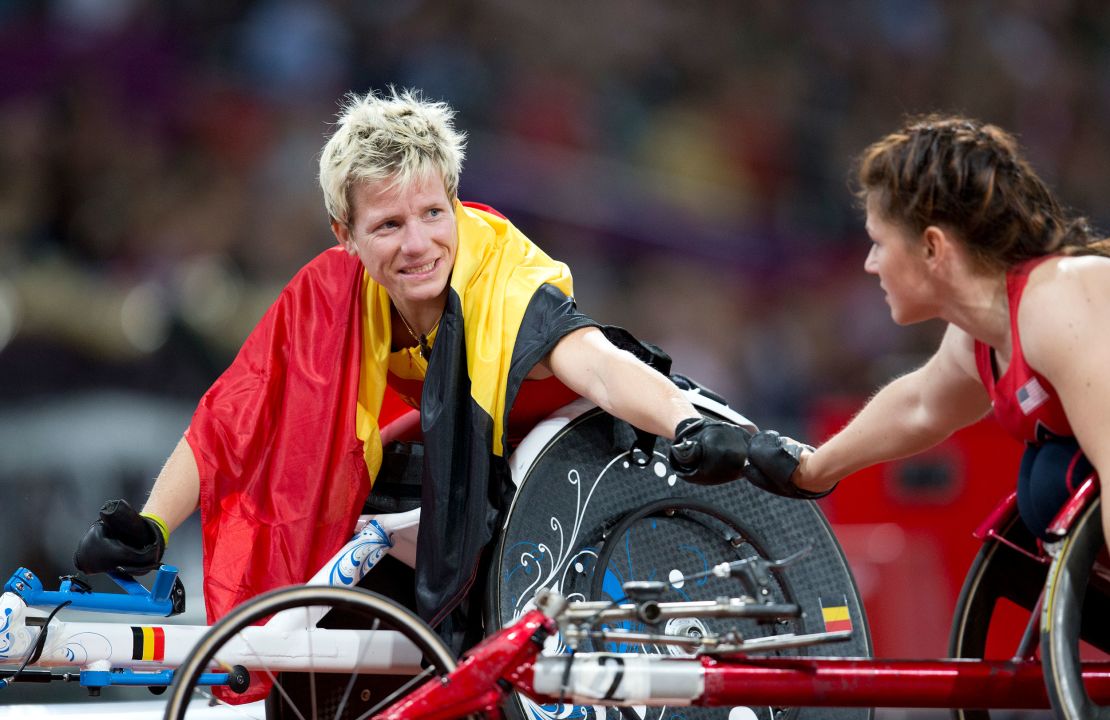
(507, 661)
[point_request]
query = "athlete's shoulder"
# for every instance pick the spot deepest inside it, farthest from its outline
(1067, 274)
(1083, 274)
(1067, 299)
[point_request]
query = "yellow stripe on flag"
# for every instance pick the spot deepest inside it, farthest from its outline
(148, 643)
(836, 618)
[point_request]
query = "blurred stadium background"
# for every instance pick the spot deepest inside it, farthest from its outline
(689, 160)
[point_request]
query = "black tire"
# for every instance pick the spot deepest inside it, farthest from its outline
(999, 573)
(366, 609)
(570, 505)
(1076, 608)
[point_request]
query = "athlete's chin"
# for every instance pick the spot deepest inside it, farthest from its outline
(905, 317)
(425, 291)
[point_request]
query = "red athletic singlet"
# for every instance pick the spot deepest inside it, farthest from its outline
(1025, 404)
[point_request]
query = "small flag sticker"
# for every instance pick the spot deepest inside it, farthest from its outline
(1031, 396)
(836, 617)
(148, 643)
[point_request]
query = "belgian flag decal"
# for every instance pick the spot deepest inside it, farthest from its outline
(148, 643)
(836, 615)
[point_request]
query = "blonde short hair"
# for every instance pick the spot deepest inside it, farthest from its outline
(399, 137)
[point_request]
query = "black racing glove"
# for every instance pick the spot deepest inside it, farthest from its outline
(122, 540)
(772, 460)
(708, 452)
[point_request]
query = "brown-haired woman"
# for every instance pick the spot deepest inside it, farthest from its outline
(962, 229)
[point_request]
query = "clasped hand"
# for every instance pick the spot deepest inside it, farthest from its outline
(710, 452)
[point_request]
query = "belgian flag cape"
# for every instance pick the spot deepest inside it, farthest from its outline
(283, 473)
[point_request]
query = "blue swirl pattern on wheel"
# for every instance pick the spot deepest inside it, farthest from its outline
(373, 542)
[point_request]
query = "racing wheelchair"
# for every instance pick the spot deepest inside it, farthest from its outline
(617, 586)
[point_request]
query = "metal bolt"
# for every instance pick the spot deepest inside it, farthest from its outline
(19, 586)
(28, 575)
(365, 695)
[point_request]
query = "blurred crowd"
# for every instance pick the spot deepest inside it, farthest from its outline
(689, 160)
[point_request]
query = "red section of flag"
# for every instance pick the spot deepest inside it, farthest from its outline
(159, 643)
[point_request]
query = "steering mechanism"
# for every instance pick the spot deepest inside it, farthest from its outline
(578, 621)
(754, 572)
(645, 596)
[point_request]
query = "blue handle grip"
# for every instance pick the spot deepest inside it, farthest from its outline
(137, 600)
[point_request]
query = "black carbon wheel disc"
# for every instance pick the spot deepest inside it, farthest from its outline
(569, 510)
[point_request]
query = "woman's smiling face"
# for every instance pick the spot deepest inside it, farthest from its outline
(405, 236)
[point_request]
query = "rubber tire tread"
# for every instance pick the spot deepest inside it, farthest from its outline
(998, 572)
(1073, 609)
(255, 609)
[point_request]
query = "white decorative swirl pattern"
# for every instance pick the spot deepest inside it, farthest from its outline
(554, 574)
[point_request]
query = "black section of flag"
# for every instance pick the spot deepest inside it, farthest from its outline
(136, 643)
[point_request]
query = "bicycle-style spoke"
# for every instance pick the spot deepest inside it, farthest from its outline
(273, 678)
(350, 609)
(399, 692)
(311, 663)
(354, 672)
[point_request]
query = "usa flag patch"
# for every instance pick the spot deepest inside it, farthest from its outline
(1031, 396)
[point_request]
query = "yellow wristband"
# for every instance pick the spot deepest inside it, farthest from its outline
(161, 525)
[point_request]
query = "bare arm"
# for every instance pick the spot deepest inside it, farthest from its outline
(1064, 336)
(176, 491)
(911, 414)
(120, 540)
(587, 363)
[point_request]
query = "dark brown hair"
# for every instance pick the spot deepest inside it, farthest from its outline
(968, 176)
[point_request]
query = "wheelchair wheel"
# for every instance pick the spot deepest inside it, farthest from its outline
(999, 575)
(359, 609)
(587, 517)
(1076, 614)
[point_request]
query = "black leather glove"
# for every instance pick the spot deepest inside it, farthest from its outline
(122, 540)
(772, 459)
(708, 452)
